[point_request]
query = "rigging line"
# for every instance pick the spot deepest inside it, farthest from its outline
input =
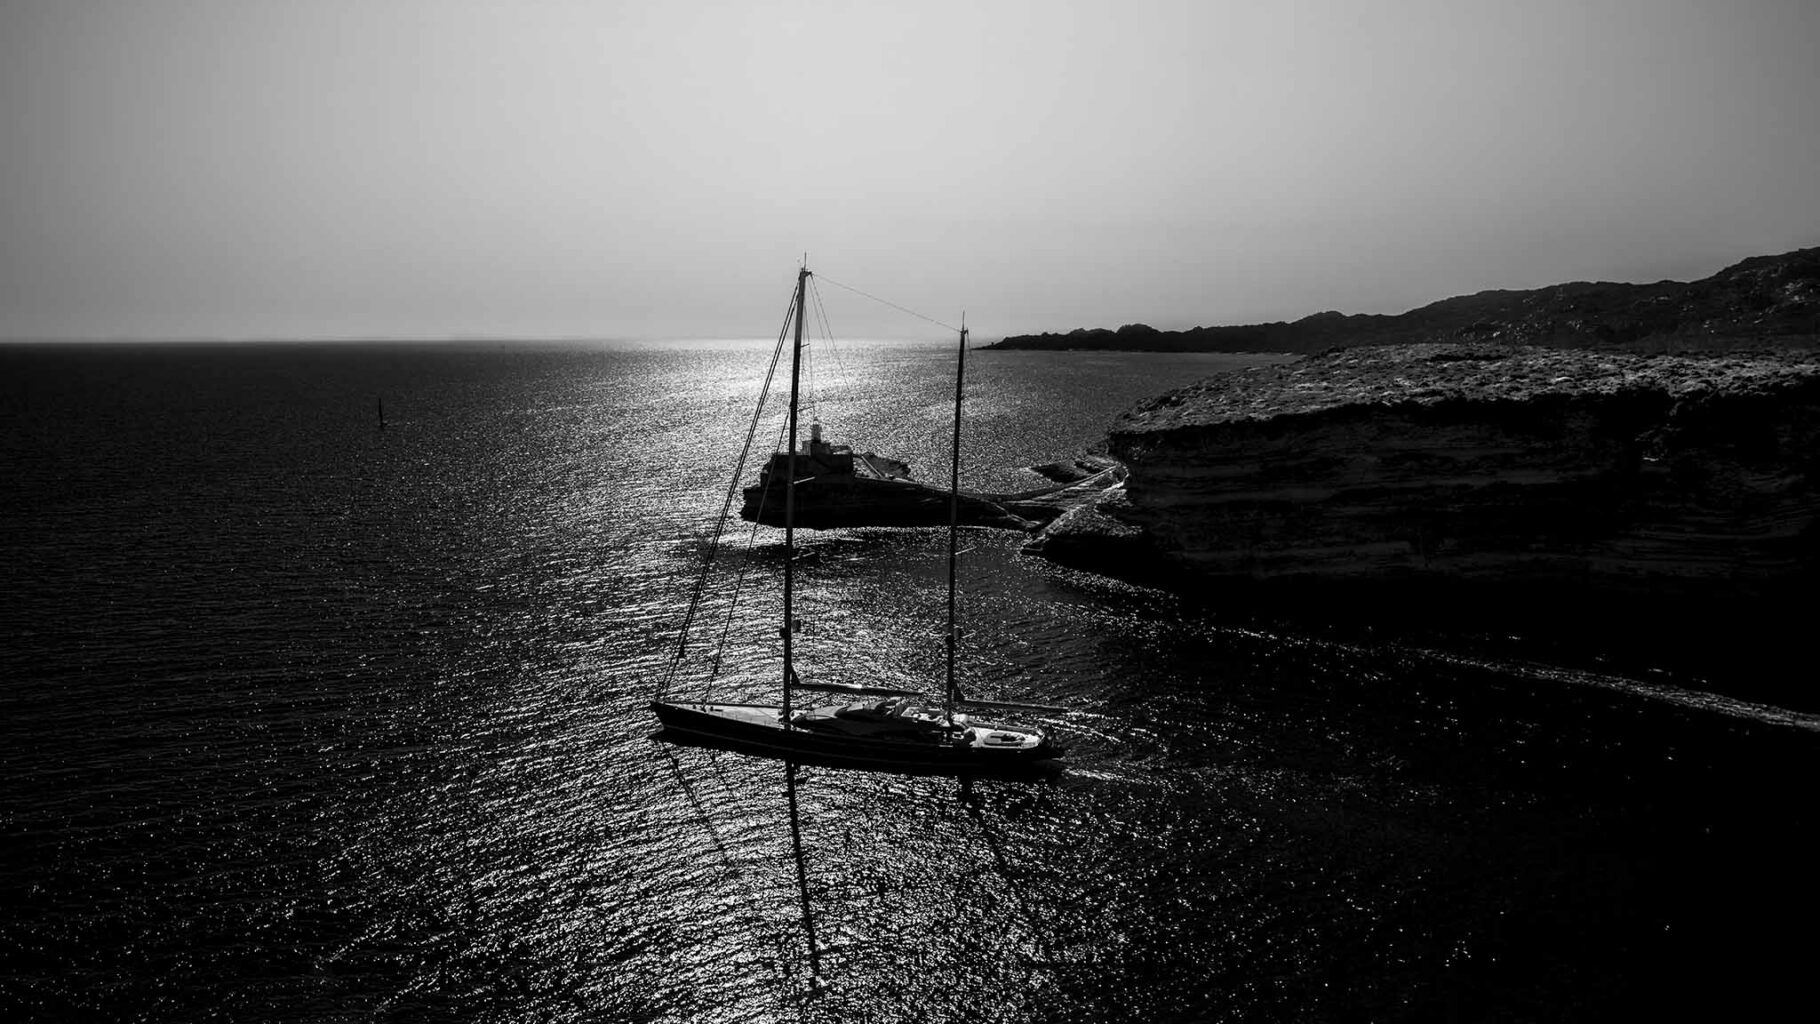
(807, 393)
(811, 362)
(835, 376)
(888, 302)
(701, 580)
(745, 564)
(739, 581)
(821, 314)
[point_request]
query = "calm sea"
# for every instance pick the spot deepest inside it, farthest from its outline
(306, 720)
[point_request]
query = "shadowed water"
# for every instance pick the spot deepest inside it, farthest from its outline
(306, 720)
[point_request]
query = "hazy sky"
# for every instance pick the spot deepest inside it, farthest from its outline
(433, 167)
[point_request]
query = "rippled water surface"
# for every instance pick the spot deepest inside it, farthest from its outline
(303, 720)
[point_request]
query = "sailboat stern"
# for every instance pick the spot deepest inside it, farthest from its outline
(993, 742)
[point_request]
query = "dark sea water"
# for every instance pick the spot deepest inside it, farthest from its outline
(305, 720)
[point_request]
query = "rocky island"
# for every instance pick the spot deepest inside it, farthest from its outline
(838, 488)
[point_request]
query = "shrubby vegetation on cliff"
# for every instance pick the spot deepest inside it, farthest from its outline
(1766, 299)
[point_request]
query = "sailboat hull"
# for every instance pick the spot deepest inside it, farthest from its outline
(759, 728)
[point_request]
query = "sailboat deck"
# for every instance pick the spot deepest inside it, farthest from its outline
(916, 740)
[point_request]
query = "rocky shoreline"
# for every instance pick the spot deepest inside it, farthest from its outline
(1687, 475)
(1663, 498)
(1596, 474)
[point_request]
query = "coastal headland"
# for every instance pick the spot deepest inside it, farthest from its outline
(1659, 473)
(1667, 480)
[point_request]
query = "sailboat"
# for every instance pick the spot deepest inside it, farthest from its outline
(880, 728)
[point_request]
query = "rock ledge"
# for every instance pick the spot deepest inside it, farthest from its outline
(1487, 462)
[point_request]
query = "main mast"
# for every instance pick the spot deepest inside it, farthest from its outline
(796, 369)
(954, 519)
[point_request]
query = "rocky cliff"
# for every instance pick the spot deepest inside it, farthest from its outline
(1657, 474)
(1762, 299)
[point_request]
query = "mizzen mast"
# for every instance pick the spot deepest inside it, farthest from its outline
(796, 370)
(954, 518)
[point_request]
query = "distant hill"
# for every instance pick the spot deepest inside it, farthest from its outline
(1764, 299)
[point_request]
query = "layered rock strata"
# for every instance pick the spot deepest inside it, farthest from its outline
(1666, 474)
(1097, 536)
